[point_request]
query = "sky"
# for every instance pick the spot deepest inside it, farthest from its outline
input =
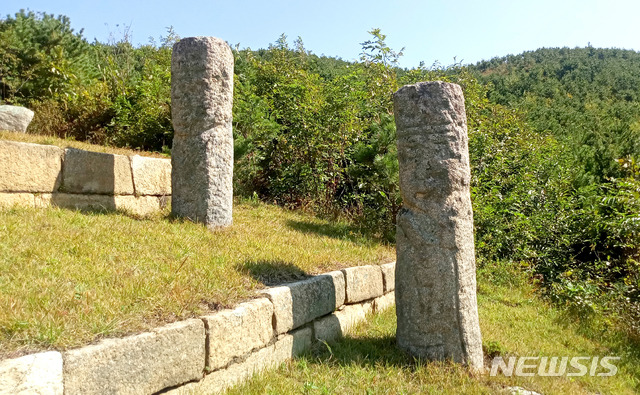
(450, 31)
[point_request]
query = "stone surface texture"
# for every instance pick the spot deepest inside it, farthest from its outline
(368, 306)
(363, 283)
(96, 173)
(34, 175)
(202, 152)
(234, 333)
(389, 276)
(142, 206)
(339, 323)
(301, 302)
(26, 167)
(39, 374)
(9, 200)
(151, 176)
(15, 118)
(271, 356)
(384, 302)
(296, 342)
(141, 364)
(435, 269)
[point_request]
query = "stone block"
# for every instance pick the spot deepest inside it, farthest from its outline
(141, 364)
(42, 200)
(9, 200)
(26, 167)
(384, 302)
(269, 357)
(141, 206)
(338, 324)
(88, 172)
(80, 202)
(39, 374)
(296, 342)
(301, 302)
(234, 333)
(368, 307)
(389, 276)
(363, 283)
(328, 328)
(151, 176)
(435, 270)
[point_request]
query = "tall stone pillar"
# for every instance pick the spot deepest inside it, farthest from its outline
(202, 152)
(435, 268)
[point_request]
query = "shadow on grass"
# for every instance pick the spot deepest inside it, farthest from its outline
(362, 351)
(106, 211)
(272, 272)
(335, 231)
(94, 211)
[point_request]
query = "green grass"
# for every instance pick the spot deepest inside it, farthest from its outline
(64, 143)
(513, 320)
(68, 278)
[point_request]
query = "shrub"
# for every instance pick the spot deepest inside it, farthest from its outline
(41, 58)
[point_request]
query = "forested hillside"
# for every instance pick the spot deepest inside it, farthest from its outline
(588, 97)
(554, 140)
(588, 100)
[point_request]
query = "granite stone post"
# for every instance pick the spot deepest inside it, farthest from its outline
(435, 268)
(202, 152)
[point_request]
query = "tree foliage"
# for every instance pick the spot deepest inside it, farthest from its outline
(41, 57)
(311, 132)
(586, 97)
(588, 100)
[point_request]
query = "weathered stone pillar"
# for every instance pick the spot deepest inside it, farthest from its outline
(202, 152)
(435, 268)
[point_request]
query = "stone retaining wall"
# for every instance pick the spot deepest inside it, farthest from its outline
(209, 354)
(33, 175)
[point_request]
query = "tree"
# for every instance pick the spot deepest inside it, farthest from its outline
(40, 57)
(376, 50)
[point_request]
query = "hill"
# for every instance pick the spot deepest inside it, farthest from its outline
(588, 97)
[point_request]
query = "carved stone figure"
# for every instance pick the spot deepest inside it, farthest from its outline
(435, 269)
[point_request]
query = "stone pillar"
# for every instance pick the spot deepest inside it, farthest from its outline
(202, 152)
(435, 268)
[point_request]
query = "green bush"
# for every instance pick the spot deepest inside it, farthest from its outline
(584, 238)
(40, 58)
(140, 89)
(307, 135)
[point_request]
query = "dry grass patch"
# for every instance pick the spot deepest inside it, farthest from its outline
(68, 278)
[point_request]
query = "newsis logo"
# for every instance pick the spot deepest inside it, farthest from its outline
(554, 366)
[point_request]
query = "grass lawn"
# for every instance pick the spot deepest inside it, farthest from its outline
(64, 143)
(68, 278)
(513, 320)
